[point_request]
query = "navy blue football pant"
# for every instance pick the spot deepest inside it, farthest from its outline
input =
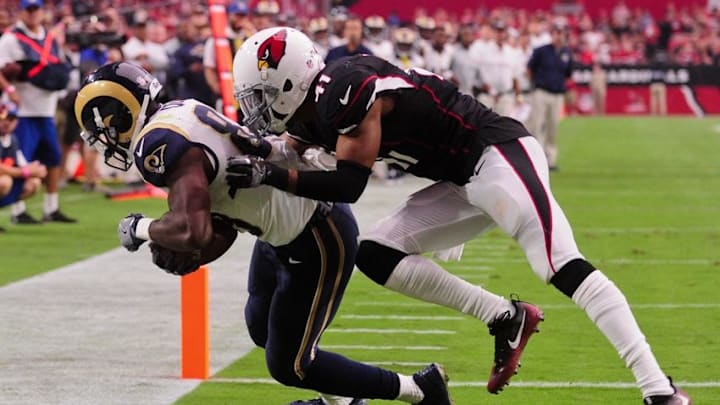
(295, 291)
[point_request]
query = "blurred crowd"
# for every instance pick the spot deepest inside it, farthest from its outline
(485, 52)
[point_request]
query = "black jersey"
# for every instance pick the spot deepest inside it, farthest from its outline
(434, 131)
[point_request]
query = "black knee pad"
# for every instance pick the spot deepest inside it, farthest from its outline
(571, 275)
(377, 261)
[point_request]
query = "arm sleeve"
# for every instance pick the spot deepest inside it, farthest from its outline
(346, 184)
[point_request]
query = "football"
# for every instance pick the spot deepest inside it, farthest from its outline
(11, 71)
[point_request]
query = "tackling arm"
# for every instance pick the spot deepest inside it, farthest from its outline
(355, 152)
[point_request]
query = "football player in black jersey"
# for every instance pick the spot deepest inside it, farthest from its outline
(305, 252)
(490, 172)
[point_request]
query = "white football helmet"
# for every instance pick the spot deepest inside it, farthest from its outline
(272, 72)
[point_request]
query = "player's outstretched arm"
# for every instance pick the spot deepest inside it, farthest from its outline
(356, 152)
(187, 226)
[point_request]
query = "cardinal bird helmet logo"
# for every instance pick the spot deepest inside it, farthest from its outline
(272, 50)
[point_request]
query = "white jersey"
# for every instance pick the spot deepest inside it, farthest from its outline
(271, 214)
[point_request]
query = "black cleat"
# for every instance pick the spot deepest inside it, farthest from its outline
(318, 401)
(24, 219)
(511, 336)
(432, 380)
(679, 397)
(58, 216)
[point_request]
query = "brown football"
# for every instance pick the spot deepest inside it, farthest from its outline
(11, 71)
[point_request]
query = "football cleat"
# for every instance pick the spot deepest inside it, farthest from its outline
(432, 380)
(319, 401)
(679, 397)
(511, 336)
(24, 218)
(58, 216)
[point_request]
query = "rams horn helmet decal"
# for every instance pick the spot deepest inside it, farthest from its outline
(272, 50)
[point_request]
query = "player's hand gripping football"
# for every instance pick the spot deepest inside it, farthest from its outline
(177, 263)
(126, 232)
(245, 172)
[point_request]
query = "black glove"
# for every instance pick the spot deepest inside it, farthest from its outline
(250, 143)
(246, 172)
(177, 263)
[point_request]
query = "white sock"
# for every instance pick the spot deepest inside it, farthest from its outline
(335, 400)
(409, 390)
(51, 203)
(606, 305)
(17, 208)
(419, 277)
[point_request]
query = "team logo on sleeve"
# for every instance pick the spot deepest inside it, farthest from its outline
(155, 162)
(272, 50)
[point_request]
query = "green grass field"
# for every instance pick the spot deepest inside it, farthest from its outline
(642, 195)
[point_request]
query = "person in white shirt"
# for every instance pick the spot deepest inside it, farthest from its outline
(438, 55)
(499, 71)
(36, 129)
(376, 37)
(464, 64)
(141, 50)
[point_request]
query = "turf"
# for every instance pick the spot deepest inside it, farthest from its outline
(642, 195)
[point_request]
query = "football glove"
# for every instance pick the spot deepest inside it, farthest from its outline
(177, 263)
(250, 143)
(126, 232)
(245, 172)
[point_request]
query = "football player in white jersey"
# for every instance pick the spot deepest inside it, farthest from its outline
(299, 270)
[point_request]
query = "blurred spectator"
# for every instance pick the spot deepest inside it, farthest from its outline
(142, 49)
(353, 36)
(377, 40)
(19, 179)
(338, 16)
(464, 66)
(186, 72)
(598, 88)
(499, 71)
(549, 67)
(406, 55)
(658, 91)
(438, 55)
(5, 21)
(37, 97)
(425, 27)
(318, 29)
(266, 11)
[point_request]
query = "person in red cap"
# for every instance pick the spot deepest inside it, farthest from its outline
(18, 178)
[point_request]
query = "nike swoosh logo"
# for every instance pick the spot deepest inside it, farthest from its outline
(139, 149)
(293, 261)
(516, 342)
(345, 99)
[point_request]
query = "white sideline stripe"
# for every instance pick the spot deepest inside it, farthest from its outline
(471, 276)
(404, 317)
(514, 384)
(548, 306)
(400, 363)
(368, 347)
(619, 260)
(393, 331)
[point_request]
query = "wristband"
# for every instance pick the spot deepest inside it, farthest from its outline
(10, 89)
(142, 229)
(25, 172)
